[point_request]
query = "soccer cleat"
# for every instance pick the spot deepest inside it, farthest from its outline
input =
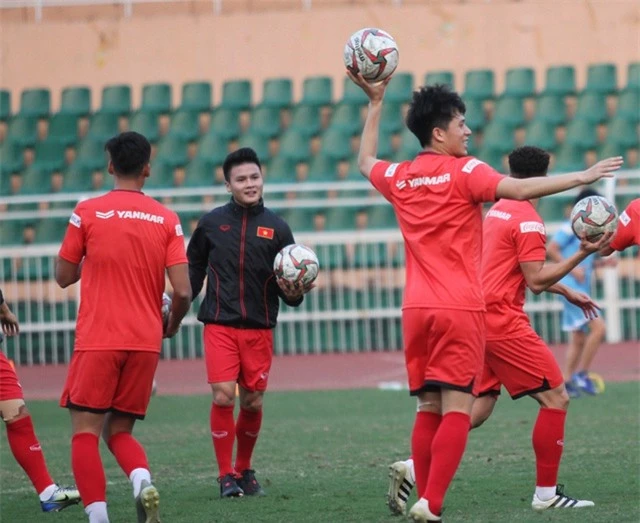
(147, 504)
(584, 383)
(229, 487)
(420, 513)
(572, 390)
(61, 498)
(249, 484)
(560, 500)
(400, 486)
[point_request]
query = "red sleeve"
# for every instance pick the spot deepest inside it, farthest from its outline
(382, 176)
(175, 247)
(628, 226)
(481, 180)
(73, 244)
(530, 240)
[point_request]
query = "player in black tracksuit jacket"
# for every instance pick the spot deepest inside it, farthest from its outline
(234, 247)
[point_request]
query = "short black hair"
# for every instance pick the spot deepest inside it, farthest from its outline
(433, 106)
(129, 153)
(585, 193)
(528, 161)
(238, 157)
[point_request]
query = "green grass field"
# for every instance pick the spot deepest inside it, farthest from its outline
(323, 456)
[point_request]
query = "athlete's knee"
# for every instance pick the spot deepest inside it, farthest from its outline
(554, 399)
(251, 401)
(13, 410)
(223, 397)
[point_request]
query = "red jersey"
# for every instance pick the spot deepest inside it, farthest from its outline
(513, 233)
(628, 232)
(438, 202)
(127, 239)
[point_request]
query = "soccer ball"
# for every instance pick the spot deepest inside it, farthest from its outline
(166, 309)
(373, 53)
(296, 263)
(592, 217)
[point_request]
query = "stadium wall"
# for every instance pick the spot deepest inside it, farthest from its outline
(153, 46)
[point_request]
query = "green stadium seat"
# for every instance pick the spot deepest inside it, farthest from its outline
(341, 218)
(494, 157)
(569, 158)
(353, 174)
(499, 137)
(200, 173)
(592, 107)
(510, 111)
(346, 118)
(352, 94)
(35, 180)
(277, 93)
(551, 209)
(225, 122)
(196, 96)
(162, 175)
(35, 102)
(49, 156)
(629, 105)
(5, 105)
(479, 84)
(173, 150)
(609, 149)
(475, 116)
(560, 81)
(11, 158)
(116, 99)
(299, 218)
(336, 144)
(145, 123)
(281, 170)
(213, 148)
(582, 133)
(551, 109)
(322, 168)
(382, 217)
(258, 144)
(602, 78)
(400, 88)
(306, 120)
(265, 121)
(51, 230)
(520, 82)
(63, 127)
(23, 130)
(633, 76)
(10, 234)
(391, 120)
(409, 146)
(103, 126)
(440, 77)
(185, 124)
(236, 94)
(156, 98)
(541, 134)
(76, 101)
(623, 132)
(385, 150)
(90, 155)
(295, 146)
(317, 90)
(78, 178)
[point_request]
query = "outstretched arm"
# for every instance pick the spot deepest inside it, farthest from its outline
(589, 307)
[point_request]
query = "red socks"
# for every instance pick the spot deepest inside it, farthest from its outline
(424, 430)
(87, 468)
(247, 429)
(447, 450)
(548, 442)
(128, 452)
(26, 449)
(223, 432)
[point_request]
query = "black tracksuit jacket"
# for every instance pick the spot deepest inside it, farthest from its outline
(234, 247)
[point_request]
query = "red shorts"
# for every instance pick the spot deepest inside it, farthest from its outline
(110, 381)
(524, 365)
(443, 349)
(10, 388)
(242, 355)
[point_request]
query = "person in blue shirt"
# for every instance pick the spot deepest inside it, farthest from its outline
(586, 334)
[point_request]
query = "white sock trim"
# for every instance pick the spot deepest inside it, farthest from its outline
(136, 477)
(545, 493)
(48, 492)
(412, 472)
(97, 512)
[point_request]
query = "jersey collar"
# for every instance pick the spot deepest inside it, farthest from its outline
(253, 210)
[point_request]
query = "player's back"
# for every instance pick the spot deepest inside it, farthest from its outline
(437, 200)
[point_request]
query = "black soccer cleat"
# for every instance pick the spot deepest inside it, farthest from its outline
(249, 484)
(229, 487)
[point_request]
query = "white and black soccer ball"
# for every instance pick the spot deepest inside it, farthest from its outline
(296, 263)
(166, 309)
(592, 217)
(371, 52)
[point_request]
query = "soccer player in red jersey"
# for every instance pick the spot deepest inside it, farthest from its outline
(23, 442)
(119, 246)
(234, 246)
(438, 199)
(628, 231)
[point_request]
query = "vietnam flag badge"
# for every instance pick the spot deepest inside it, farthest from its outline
(265, 232)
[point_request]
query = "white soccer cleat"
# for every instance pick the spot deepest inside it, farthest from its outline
(420, 513)
(560, 500)
(400, 486)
